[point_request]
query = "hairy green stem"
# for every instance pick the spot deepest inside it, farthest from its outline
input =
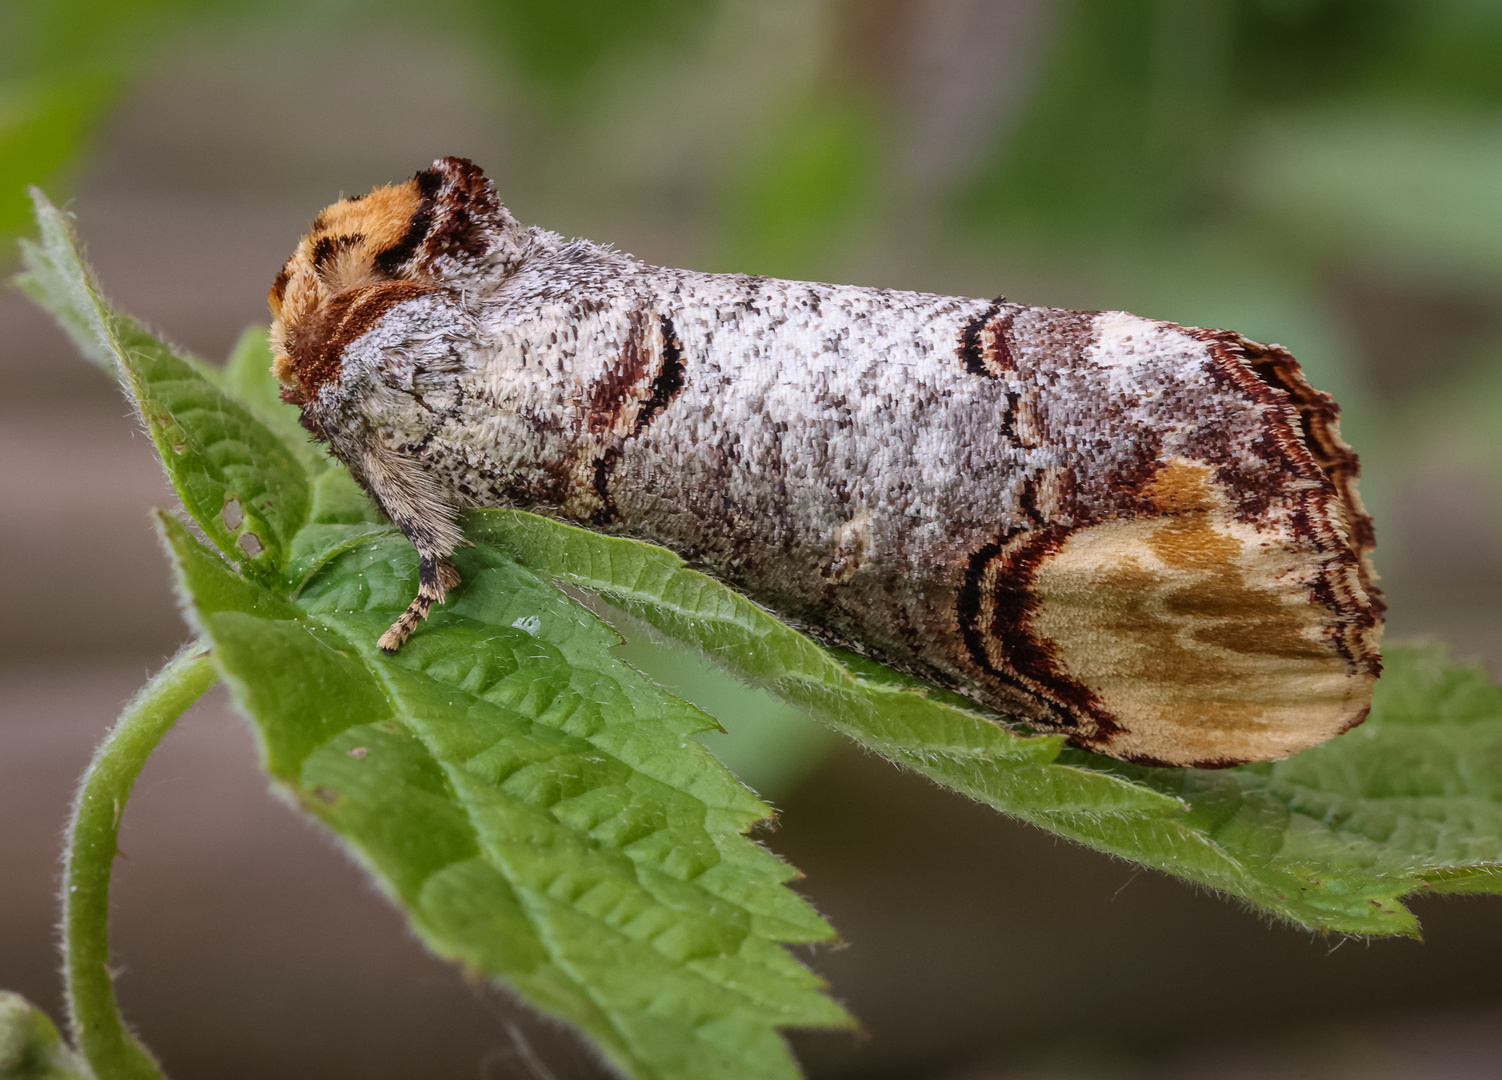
(98, 1030)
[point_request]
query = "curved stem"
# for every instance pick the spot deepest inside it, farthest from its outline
(98, 1030)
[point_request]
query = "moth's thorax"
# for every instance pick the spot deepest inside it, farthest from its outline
(1144, 536)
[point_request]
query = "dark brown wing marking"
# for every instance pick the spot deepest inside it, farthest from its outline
(669, 377)
(996, 342)
(449, 220)
(465, 200)
(393, 259)
(606, 512)
(970, 339)
(611, 398)
(994, 605)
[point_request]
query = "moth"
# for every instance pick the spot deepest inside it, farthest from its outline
(1146, 537)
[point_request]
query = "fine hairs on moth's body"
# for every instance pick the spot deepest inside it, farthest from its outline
(1143, 536)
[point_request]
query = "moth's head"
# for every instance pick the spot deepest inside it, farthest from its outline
(443, 229)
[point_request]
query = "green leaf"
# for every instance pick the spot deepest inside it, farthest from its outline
(793, 200)
(336, 498)
(771, 745)
(30, 1046)
(44, 122)
(558, 44)
(538, 808)
(240, 481)
(1414, 192)
(247, 379)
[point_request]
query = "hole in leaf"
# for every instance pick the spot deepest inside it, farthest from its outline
(232, 514)
(250, 543)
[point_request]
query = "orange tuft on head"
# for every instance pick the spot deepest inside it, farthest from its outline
(444, 226)
(340, 252)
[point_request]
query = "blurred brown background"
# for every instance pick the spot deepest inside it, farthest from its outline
(1323, 173)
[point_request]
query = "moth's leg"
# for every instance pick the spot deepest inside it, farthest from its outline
(416, 505)
(435, 576)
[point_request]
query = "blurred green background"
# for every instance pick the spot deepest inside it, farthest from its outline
(1326, 174)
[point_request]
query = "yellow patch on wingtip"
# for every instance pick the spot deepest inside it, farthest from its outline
(1199, 635)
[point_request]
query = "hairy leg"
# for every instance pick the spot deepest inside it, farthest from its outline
(435, 576)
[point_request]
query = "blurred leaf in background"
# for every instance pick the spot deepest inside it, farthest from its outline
(64, 63)
(58, 72)
(796, 197)
(43, 123)
(1120, 125)
(1129, 125)
(559, 43)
